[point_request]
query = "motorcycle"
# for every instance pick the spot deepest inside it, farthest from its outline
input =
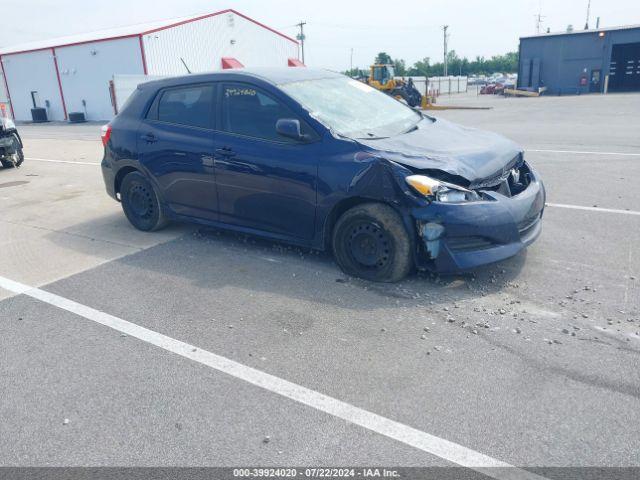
(11, 154)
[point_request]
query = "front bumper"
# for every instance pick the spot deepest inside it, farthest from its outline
(470, 235)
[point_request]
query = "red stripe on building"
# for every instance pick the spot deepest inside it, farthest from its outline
(133, 35)
(55, 63)
(221, 12)
(6, 87)
(144, 57)
(84, 42)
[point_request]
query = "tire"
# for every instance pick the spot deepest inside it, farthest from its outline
(141, 204)
(370, 241)
(18, 149)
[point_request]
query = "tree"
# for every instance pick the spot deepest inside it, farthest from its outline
(384, 58)
(507, 63)
(422, 68)
(400, 67)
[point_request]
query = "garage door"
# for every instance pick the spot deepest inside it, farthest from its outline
(625, 68)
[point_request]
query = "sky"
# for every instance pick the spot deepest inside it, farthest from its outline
(407, 29)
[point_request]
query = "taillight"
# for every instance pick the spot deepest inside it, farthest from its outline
(106, 134)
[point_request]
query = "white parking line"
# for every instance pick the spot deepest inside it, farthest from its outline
(60, 161)
(426, 442)
(576, 152)
(594, 209)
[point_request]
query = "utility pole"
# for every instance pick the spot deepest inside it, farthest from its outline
(301, 37)
(446, 38)
(586, 25)
(539, 18)
(351, 62)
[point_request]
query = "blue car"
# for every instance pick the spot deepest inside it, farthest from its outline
(317, 159)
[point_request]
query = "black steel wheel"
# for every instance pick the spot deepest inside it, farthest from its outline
(140, 203)
(370, 241)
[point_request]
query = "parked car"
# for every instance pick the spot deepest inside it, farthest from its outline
(499, 89)
(489, 89)
(315, 158)
(11, 154)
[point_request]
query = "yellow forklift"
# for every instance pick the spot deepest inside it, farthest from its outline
(382, 77)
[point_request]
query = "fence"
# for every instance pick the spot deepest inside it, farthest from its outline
(439, 85)
(448, 85)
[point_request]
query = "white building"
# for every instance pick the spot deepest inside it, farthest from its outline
(72, 74)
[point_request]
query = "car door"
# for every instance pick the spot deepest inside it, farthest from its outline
(265, 182)
(175, 144)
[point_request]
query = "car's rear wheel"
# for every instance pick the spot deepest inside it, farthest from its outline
(19, 155)
(140, 203)
(370, 241)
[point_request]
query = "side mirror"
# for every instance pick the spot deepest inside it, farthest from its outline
(290, 128)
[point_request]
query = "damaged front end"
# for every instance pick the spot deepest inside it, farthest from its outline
(466, 227)
(476, 200)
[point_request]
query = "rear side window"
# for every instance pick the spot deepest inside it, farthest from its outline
(190, 105)
(248, 111)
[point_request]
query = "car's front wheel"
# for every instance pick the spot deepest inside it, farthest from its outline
(370, 241)
(140, 203)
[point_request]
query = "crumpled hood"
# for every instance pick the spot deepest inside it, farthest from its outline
(473, 154)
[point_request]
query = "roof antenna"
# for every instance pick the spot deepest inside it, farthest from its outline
(185, 64)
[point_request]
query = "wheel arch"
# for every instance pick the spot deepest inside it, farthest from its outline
(123, 172)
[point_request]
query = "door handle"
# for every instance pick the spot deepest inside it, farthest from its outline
(149, 138)
(225, 152)
(207, 161)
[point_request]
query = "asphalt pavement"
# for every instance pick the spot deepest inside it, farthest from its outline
(195, 347)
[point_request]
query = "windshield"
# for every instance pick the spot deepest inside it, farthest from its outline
(353, 109)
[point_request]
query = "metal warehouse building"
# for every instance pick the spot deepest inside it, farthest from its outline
(600, 60)
(72, 74)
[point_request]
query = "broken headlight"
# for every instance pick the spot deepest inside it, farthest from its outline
(439, 191)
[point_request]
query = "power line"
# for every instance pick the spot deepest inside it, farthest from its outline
(361, 26)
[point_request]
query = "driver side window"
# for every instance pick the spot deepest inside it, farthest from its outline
(250, 112)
